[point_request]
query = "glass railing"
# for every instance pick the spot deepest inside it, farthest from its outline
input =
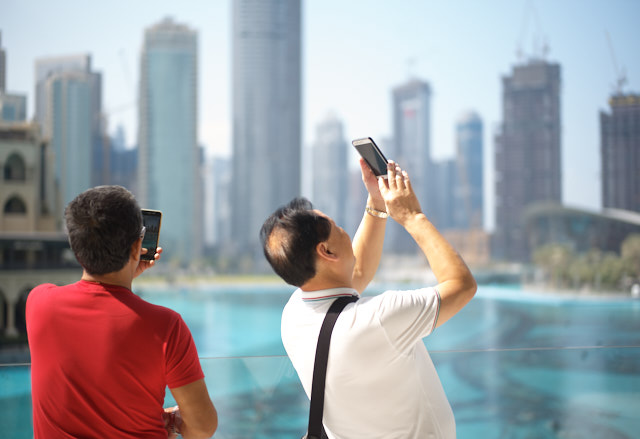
(557, 392)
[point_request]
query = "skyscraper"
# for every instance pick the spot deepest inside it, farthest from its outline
(68, 108)
(123, 162)
(266, 114)
(412, 150)
(330, 169)
(13, 107)
(221, 204)
(3, 67)
(68, 127)
(169, 169)
(469, 209)
(444, 177)
(527, 152)
(47, 67)
(620, 153)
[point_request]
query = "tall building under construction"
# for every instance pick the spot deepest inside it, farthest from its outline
(528, 163)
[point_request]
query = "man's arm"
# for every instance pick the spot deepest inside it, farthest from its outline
(197, 418)
(456, 284)
(369, 238)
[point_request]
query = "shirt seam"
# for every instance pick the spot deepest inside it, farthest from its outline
(435, 321)
(392, 344)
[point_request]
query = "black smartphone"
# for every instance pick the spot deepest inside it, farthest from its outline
(151, 220)
(372, 155)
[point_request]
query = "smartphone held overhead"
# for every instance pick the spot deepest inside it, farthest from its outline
(371, 154)
(151, 220)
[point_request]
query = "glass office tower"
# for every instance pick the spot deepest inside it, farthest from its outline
(69, 110)
(68, 126)
(266, 115)
(168, 161)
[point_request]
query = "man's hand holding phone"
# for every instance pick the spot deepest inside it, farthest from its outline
(401, 202)
(145, 264)
(370, 152)
(371, 183)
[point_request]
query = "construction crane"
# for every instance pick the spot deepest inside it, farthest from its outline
(621, 76)
(540, 44)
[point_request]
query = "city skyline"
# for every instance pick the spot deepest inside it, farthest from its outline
(461, 49)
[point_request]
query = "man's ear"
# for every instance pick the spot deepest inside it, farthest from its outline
(136, 249)
(323, 251)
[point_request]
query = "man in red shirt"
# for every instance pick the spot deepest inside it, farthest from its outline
(101, 357)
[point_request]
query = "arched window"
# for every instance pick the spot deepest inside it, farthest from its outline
(14, 168)
(15, 205)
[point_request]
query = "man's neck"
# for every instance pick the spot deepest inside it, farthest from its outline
(316, 284)
(118, 278)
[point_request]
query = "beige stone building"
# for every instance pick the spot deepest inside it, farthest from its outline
(33, 245)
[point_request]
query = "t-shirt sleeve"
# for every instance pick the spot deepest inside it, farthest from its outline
(182, 362)
(408, 316)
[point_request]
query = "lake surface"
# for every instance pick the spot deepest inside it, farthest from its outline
(514, 364)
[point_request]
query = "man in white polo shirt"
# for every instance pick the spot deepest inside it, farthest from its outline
(381, 382)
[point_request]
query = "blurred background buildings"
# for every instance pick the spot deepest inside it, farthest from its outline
(214, 205)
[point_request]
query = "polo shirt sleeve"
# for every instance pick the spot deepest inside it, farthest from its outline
(408, 316)
(182, 362)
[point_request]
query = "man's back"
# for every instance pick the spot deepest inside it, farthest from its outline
(381, 382)
(101, 359)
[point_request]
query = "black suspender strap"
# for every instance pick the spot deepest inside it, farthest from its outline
(320, 366)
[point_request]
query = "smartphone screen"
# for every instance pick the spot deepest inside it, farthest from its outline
(372, 155)
(151, 220)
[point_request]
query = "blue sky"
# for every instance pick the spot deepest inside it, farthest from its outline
(354, 53)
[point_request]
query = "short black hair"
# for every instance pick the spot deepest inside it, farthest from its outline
(103, 223)
(289, 238)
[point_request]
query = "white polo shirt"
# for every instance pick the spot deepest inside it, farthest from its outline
(381, 382)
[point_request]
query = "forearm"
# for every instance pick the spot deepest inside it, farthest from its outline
(367, 246)
(202, 430)
(444, 260)
(197, 417)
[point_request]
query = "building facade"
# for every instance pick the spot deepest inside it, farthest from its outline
(13, 107)
(168, 154)
(33, 249)
(469, 212)
(3, 67)
(68, 108)
(68, 129)
(267, 105)
(620, 153)
(528, 158)
(580, 230)
(412, 150)
(123, 162)
(330, 170)
(27, 190)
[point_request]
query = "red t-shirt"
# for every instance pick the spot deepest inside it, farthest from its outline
(101, 359)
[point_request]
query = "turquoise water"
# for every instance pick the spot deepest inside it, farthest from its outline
(514, 364)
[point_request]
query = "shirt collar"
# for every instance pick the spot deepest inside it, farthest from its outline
(331, 293)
